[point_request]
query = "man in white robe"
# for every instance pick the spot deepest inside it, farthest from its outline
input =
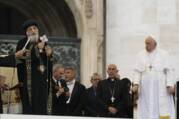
(154, 83)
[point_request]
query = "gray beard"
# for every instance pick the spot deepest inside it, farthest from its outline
(33, 38)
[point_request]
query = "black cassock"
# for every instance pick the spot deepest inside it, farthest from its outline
(34, 90)
(8, 61)
(112, 93)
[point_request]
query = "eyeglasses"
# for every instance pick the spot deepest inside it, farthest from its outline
(111, 68)
(96, 79)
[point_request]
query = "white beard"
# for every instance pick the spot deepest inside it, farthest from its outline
(33, 38)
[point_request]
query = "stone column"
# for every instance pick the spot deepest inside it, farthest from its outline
(90, 30)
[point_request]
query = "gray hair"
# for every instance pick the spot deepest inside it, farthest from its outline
(72, 68)
(57, 66)
(94, 76)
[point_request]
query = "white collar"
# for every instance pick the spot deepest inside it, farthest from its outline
(71, 82)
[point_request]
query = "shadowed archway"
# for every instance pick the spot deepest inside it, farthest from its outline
(55, 17)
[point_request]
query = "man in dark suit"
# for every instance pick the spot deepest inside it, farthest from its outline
(75, 103)
(8, 61)
(112, 95)
(59, 91)
(91, 108)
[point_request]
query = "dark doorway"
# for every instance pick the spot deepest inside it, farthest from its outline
(11, 20)
(55, 17)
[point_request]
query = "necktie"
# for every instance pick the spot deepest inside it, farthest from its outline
(94, 89)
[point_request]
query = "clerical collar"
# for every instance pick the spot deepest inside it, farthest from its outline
(111, 79)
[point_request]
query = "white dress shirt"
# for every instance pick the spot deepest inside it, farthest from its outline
(70, 85)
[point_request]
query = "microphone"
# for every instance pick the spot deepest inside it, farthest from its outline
(66, 89)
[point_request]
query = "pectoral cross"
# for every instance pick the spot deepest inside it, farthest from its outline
(112, 99)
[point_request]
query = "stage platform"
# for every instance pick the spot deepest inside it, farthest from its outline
(18, 116)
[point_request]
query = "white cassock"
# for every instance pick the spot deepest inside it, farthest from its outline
(153, 74)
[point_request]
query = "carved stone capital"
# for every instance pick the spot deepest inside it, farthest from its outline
(88, 8)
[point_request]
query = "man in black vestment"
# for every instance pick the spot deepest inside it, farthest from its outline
(112, 95)
(34, 72)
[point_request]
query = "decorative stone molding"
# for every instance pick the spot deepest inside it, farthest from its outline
(100, 55)
(88, 8)
(81, 1)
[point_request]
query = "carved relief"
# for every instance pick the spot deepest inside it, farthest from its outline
(7, 48)
(100, 45)
(88, 8)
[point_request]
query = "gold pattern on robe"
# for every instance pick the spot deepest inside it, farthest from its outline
(164, 117)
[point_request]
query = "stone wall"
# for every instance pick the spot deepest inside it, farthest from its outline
(130, 22)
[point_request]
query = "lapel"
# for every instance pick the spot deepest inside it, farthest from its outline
(91, 92)
(74, 91)
(108, 88)
(53, 82)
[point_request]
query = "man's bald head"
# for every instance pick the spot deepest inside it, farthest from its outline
(112, 70)
(112, 66)
(150, 44)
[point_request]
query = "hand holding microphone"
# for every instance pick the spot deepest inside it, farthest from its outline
(41, 45)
